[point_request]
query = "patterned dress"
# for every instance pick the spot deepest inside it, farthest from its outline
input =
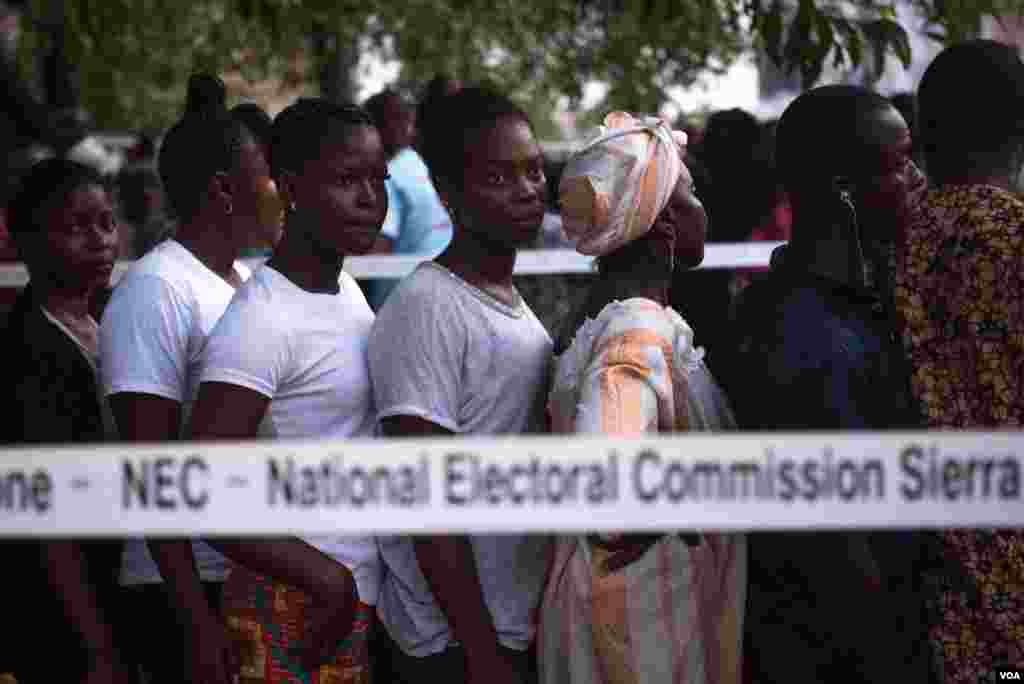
(629, 608)
(960, 295)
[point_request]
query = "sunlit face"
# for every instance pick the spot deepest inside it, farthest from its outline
(80, 238)
(341, 193)
(502, 197)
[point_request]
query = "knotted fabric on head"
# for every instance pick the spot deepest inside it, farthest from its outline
(615, 186)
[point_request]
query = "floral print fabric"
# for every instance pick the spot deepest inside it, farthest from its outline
(960, 295)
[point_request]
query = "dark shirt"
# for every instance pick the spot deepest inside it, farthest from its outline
(813, 353)
(49, 396)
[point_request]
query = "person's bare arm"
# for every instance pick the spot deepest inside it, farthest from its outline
(449, 566)
(152, 419)
(226, 411)
(66, 573)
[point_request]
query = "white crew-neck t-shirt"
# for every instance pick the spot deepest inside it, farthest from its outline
(151, 336)
(306, 352)
(450, 353)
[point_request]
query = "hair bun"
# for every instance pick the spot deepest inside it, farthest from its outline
(206, 95)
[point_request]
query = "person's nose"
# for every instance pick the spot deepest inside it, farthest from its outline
(102, 235)
(529, 189)
(370, 195)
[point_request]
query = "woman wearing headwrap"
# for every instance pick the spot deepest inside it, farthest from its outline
(627, 608)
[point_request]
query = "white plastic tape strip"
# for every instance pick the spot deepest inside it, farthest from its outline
(543, 484)
(529, 262)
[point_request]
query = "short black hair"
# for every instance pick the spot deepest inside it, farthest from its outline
(971, 110)
(453, 119)
(45, 181)
(204, 142)
(818, 137)
(301, 128)
(255, 119)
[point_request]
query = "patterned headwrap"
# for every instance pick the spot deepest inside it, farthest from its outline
(616, 184)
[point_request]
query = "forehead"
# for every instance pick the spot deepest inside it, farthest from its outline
(883, 128)
(355, 146)
(80, 198)
(508, 140)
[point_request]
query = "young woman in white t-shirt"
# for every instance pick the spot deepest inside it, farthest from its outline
(215, 177)
(288, 360)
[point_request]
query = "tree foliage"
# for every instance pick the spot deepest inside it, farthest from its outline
(134, 56)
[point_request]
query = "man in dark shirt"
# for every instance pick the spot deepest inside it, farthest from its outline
(817, 350)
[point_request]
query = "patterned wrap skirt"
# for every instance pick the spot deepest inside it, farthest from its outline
(268, 622)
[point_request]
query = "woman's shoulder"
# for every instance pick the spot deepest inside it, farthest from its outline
(633, 323)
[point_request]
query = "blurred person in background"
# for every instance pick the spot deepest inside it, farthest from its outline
(57, 626)
(144, 219)
(417, 222)
(729, 152)
(440, 86)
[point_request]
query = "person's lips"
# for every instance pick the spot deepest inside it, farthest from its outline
(532, 217)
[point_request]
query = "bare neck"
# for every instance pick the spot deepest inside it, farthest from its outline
(298, 260)
(75, 302)
(479, 262)
(211, 244)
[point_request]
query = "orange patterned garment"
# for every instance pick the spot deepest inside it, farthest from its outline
(960, 295)
(640, 609)
(267, 621)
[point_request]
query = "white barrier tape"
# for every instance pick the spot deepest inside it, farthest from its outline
(529, 262)
(530, 484)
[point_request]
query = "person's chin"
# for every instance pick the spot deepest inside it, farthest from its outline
(362, 243)
(96, 275)
(689, 260)
(525, 235)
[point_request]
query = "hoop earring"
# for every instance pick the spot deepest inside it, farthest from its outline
(228, 209)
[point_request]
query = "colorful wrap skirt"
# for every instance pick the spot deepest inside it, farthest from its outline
(268, 622)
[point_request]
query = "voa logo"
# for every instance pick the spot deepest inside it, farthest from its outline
(1010, 676)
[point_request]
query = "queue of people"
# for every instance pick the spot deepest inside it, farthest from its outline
(896, 304)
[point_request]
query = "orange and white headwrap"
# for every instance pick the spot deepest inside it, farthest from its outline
(616, 184)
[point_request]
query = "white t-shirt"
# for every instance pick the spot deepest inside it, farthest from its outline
(307, 353)
(449, 353)
(151, 335)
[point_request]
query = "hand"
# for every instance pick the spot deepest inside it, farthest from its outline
(330, 621)
(211, 655)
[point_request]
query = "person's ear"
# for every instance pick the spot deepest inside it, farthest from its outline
(287, 186)
(448, 194)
